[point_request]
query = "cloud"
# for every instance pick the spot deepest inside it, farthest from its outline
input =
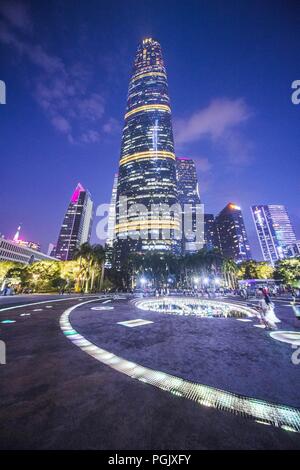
(17, 14)
(212, 121)
(90, 136)
(61, 90)
(202, 164)
(111, 126)
(61, 124)
(221, 124)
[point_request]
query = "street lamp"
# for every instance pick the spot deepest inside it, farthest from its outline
(205, 281)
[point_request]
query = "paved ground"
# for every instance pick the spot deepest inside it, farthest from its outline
(54, 396)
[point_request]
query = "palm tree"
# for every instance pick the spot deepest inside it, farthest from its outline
(230, 268)
(86, 256)
(97, 262)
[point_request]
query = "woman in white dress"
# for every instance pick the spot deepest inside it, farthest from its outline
(267, 312)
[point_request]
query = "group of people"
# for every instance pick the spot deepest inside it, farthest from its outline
(267, 310)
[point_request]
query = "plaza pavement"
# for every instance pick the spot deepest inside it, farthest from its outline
(54, 396)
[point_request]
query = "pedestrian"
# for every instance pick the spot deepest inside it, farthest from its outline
(266, 307)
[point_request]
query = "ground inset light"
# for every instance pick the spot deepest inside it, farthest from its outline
(285, 417)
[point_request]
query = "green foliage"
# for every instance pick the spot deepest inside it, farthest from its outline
(86, 272)
(255, 270)
(6, 266)
(288, 270)
(158, 268)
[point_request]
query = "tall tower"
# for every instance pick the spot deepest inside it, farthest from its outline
(231, 233)
(189, 199)
(77, 224)
(147, 167)
(210, 236)
(109, 245)
(274, 230)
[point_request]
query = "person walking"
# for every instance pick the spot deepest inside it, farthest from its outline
(268, 316)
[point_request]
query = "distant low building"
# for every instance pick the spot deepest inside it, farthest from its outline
(11, 250)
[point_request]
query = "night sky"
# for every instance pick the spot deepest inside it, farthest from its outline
(66, 65)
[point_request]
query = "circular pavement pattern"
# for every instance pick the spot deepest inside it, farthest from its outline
(262, 411)
(291, 337)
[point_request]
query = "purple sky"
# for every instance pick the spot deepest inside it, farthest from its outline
(66, 66)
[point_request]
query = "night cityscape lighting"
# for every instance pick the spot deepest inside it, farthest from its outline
(150, 230)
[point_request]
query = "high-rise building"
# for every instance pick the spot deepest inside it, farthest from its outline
(189, 200)
(111, 225)
(51, 249)
(77, 224)
(293, 250)
(231, 233)
(274, 230)
(210, 232)
(147, 167)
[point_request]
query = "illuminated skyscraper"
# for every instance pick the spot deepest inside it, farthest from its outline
(189, 200)
(274, 230)
(231, 233)
(111, 225)
(147, 167)
(77, 224)
(210, 241)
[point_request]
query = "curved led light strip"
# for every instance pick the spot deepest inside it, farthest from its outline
(149, 107)
(147, 225)
(155, 154)
(264, 412)
(149, 74)
(290, 337)
(150, 304)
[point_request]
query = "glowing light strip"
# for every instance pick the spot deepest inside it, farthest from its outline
(147, 224)
(151, 304)
(148, 74)
(282, 416)
(38, 303)
(160, 154)
(149, 107)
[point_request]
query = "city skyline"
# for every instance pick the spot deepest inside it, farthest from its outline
(242, 105)
(149, 228)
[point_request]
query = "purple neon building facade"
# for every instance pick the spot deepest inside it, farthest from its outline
(77, 224)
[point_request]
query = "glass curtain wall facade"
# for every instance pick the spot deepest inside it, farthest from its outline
(189, 199)
(274, 231)
(147, 167)
(76, 226)
(210, 239)
(111, 225)
(231, 233)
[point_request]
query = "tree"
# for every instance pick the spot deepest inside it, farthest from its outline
(255, 270)
(43, 275)
(288, 270)
(5, 266)
(230, 269)
(18, 275)
(91, 266)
